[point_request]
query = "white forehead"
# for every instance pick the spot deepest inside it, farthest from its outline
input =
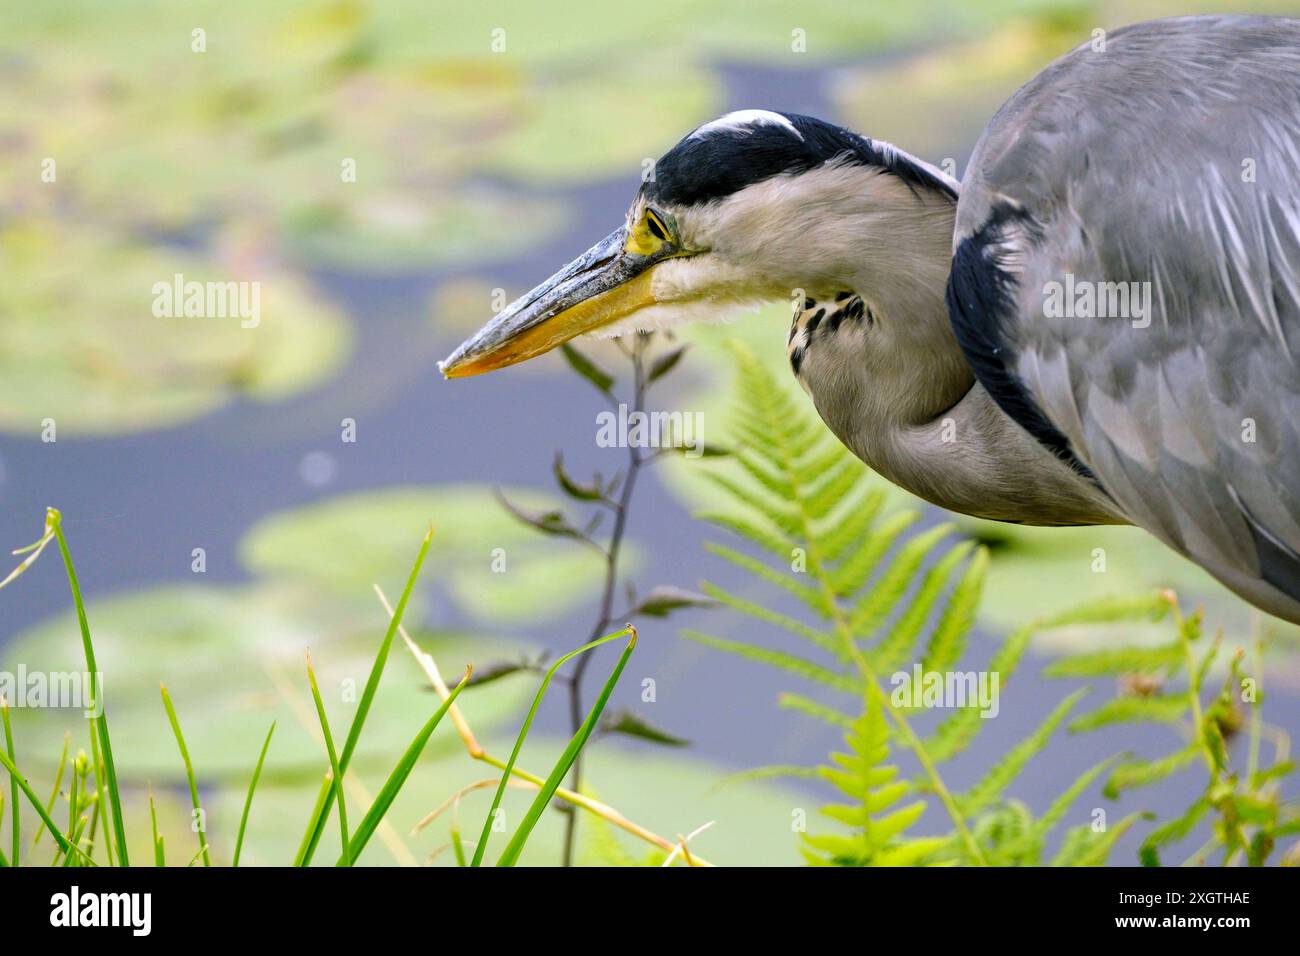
(742, 121)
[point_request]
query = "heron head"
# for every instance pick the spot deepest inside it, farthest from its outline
(746, 209)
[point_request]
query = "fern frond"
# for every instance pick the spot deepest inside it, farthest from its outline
(771, 481)
(1145, 607)
(958, 730)
(895, 581)
(815, 709)
(1118, 660)
(771, 541)
(1036, 836)
(823, 459)
(948, 639)
(777, 512)
(878, 823)
(809, 595)
(775, 618)
(1161, 710)
(1002, 831)
(858, 566)
(830, 488)
(1143, 773)
(852, 524)
(1083, 846)
(898, 645)
(779, 659)
(771, 772)
(990, 787)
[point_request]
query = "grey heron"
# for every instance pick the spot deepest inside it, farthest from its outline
(977, 343)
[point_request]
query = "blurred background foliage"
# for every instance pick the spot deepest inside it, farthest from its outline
(482, 159)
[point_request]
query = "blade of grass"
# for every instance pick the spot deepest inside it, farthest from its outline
(318, 813)
(248, 801)
(189, 772)
(97, 765)
(527, 724)
(516, 845)
(13, 784)
(58, 782)
(326, 798)
(458, 846)
(94, 827)
(334, 762)
(74, 799)
(75, 853)
(159, 853)
(397, 779)
(99, 718)
(35, 801)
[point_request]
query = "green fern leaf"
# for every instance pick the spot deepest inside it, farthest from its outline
(948, 639)
(1127, 710)
(957, 731)
(779, 513)
(776, 544)
(809, 595)
(786, 662)
(990, 787)
(899, 645)
(1119, 660)
(858, 566)
(815, 709)
(852, 524)
(1083, 846)
(1143, 773)
(783, 621)
(895, 581)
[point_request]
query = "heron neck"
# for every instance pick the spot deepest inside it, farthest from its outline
(900, 394)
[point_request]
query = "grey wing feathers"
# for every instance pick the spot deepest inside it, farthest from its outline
(1170, 159)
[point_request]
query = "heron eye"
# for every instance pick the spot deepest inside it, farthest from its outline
(656, 225)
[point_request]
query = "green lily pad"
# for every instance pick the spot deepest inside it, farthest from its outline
(749, 29)
(940, 99)
(233, 660)
(348, 542)
(1037, 571)
(577, 126)
(80, 342)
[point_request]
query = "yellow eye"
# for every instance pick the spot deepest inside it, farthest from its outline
(656, 225)
(650, 235)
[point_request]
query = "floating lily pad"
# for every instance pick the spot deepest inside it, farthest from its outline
(80, 342)
(595, 122)
(233, 660)
(1036, 571)
(286, 121)
(751, 29)
(941, 99)
(348, 542)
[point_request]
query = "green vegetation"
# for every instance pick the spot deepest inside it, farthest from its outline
(884, 600)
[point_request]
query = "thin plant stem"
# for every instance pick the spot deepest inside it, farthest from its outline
(603, 622)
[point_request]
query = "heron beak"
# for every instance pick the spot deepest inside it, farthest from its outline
(605, 283)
